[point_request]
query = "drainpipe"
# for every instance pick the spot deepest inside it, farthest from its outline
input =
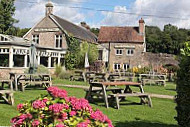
(109, 58)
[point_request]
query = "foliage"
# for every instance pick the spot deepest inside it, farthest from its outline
(65, 75)
(58, 70)
(41, 70)
(95, 31)
(183, 88)
(76, 53)
(7, 10)
(57, 109)
(170, 40)
(92, 52)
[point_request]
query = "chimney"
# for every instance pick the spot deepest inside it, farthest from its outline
(49, 8)
(141, 27)
(83, 24)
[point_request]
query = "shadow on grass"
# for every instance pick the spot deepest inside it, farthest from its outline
(171, 89)
(143, 124)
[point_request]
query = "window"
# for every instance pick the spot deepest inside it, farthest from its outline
(126, 66)
(44, 61)
(130, 51)
(119, 51)
(18, 60)
(58, 41)
(54, 61)
(100, 54)
(117, 66)
(35, 38)
(4, 60)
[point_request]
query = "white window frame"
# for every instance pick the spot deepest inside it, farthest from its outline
(118, 52)
(131, 52)
(36, 38)
(60, 40)
(127, 66)
(118, 66)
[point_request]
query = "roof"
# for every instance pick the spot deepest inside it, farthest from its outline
(76, 31)
(120, 34)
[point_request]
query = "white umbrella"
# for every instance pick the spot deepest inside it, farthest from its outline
(86, 64)
(33, 60)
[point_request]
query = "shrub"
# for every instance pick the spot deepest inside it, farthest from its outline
(183, 89)
(58, 70)
(41, 69)
(59, 110)
(65, 75)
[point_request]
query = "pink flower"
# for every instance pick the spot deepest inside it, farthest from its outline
(20, 106)
(62, 117)
(72, 113)
(56, 108)
(45, 100)
(59, 125)
(38, 104)
(13, 120)
(83, 124)
(56, 92)
(35, 123)
(80, 104)
(98, 115)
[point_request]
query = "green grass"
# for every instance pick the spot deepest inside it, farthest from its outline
(169, 89)
(130, 113)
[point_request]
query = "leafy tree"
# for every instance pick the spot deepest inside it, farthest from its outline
(7, 10)
(183, 88)
(95, 31)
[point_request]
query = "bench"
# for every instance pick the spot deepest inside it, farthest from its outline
(7, 96)
(155, 81)
(24, 83)
(98, 92)
(145, 98)
(78, 76)
(6, 81)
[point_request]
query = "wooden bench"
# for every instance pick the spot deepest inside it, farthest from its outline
(155, 81)
(78, 76)
(6, 81)
(145, 98)
(7, 96)
(24, 83)
(98, 92)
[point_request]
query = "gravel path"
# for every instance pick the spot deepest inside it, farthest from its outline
(152, 95)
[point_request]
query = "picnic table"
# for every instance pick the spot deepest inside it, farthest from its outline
(24, 79)
(100, 77)
(118, 94)
(7, 94)
(79, 75)
(152, 78)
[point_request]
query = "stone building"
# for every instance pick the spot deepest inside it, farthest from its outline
(122, 47)
(50, 35)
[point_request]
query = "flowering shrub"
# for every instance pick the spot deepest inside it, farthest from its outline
(58, 110)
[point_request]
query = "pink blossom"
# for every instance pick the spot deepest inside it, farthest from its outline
(83, 124)
(45, 100)
(20, 106)
(38, 104)
(80, 104)
(62, 117)
(56, 108)
(56, 92)
(72, 113)
(13, 120)
(59, 125)
(35, 123)
(98, 115)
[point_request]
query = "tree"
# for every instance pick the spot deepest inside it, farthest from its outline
(7, 10)
(183, 88)
(95, 31)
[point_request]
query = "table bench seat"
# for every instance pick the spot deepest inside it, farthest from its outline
(157, 81)
(145, 98)
(7, 95)
(98, 91)
(23, 84)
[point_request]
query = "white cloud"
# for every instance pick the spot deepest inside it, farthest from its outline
(163, 8)
(30, 14)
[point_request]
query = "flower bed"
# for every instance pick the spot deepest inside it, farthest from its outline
(59, 110)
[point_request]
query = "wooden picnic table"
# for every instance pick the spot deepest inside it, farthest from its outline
(6, 81)
(152, 78)
(26, 78)
(103, 87)
(78, 75)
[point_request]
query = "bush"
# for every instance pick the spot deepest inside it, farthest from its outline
(58, 70)
(65, 75)
(41, 69)
(59, 110)
(183, 89)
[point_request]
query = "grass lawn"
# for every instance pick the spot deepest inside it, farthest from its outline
(169, 89)
(129, 115)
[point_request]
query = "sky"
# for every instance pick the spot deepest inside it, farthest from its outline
(98, 13)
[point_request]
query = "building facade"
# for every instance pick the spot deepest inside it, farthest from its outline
(122, 47)
(50, 36)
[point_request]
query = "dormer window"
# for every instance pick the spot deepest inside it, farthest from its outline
(35, 38)
(58, 41)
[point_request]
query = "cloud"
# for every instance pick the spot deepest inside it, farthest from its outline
(29, 14)
(175, 9)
